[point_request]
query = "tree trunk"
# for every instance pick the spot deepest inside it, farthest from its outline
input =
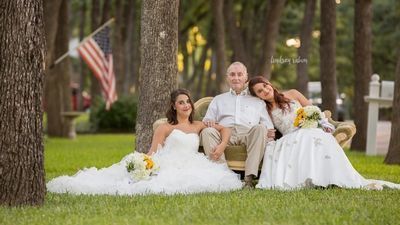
(393, 155)
(83, 68)
(106, 11)
(219, 28)
(135, 67)
(210, 82)
(51, 11)
(183, 38)
(327, 53)
(158, 77)
(305, 38)
(271, 31)
(248, 24)
(234, 33)
(119, 46)
(95, 91)
(131, 50)
(57, 88)
(22, 60)
(199, 73)
(362, 69)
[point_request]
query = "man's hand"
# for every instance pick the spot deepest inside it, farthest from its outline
(328, 130)
(217, 153)
(271, 134)
(209, 123)
(326, 126)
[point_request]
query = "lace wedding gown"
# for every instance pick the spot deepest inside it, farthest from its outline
(182, 170)
(307, 158)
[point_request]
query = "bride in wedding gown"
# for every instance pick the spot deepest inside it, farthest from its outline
(305, 157)
(182, 168)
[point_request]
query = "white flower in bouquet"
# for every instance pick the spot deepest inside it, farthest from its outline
(307, 117)
(141, 166)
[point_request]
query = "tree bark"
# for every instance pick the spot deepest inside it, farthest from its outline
(159, 48)
(249, 24)
(119, 47)
(210, 82)
(95, 91)
(393, 155)
(200, 73)
(22, 63)
(51, 11)
(305, 38)
(235, 36)
(271, 31)
(132, 61)
(327, 53)
(106, 11)
(219, 28)
(135, 67)
(83, 68)
(57, 88)
(362, 69)
(126, 61)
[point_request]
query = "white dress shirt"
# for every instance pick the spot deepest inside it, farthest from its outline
(230, 109)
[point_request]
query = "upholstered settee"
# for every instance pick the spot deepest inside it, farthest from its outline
(236, 155)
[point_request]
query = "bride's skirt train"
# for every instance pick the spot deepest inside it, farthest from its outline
(185, 174)
(181, 170)
(309, 158)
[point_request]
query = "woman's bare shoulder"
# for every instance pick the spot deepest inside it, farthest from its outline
(294, 94)
(199, 125)
(290, 94)
(164, 128)
(197, 122)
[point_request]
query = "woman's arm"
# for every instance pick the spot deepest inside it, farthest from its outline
(296, 95)
(220, 148)
(225, 134)
(160, 134)
(326, 126)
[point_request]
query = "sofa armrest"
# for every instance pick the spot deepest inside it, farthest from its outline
(344, 130)
(201, 107)
(158, 123)
(200, 111)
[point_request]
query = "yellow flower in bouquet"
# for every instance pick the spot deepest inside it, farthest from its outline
(300, 117)
(140, 166)
(307, 117)
(149, 162)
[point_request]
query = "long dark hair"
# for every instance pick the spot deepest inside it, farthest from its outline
(280, 100)
(171, 113)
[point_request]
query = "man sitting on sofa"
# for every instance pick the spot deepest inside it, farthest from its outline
(245, 115)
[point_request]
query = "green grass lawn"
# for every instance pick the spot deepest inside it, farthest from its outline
(312, 206)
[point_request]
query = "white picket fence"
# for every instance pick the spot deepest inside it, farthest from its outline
(380, 96)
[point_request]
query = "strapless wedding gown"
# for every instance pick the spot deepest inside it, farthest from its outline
(308, 158)
(182, 170)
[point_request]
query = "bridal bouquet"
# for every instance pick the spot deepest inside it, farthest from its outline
(141, 166)
(308, 117)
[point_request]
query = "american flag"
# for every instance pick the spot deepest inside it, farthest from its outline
(96, 52)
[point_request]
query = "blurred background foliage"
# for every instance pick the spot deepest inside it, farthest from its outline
(197, 59)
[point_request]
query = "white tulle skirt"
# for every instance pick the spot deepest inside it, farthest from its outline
(308, 158)
(179, 172)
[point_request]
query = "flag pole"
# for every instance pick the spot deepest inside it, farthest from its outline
(83, 41)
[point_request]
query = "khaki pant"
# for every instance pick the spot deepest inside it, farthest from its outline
(253, 139)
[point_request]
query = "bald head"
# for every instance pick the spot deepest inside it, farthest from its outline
(236, 75)
(239, 65)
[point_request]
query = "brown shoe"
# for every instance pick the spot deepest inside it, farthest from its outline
(248, 182)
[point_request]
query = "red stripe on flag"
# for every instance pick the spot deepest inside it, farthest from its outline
(102, 67)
